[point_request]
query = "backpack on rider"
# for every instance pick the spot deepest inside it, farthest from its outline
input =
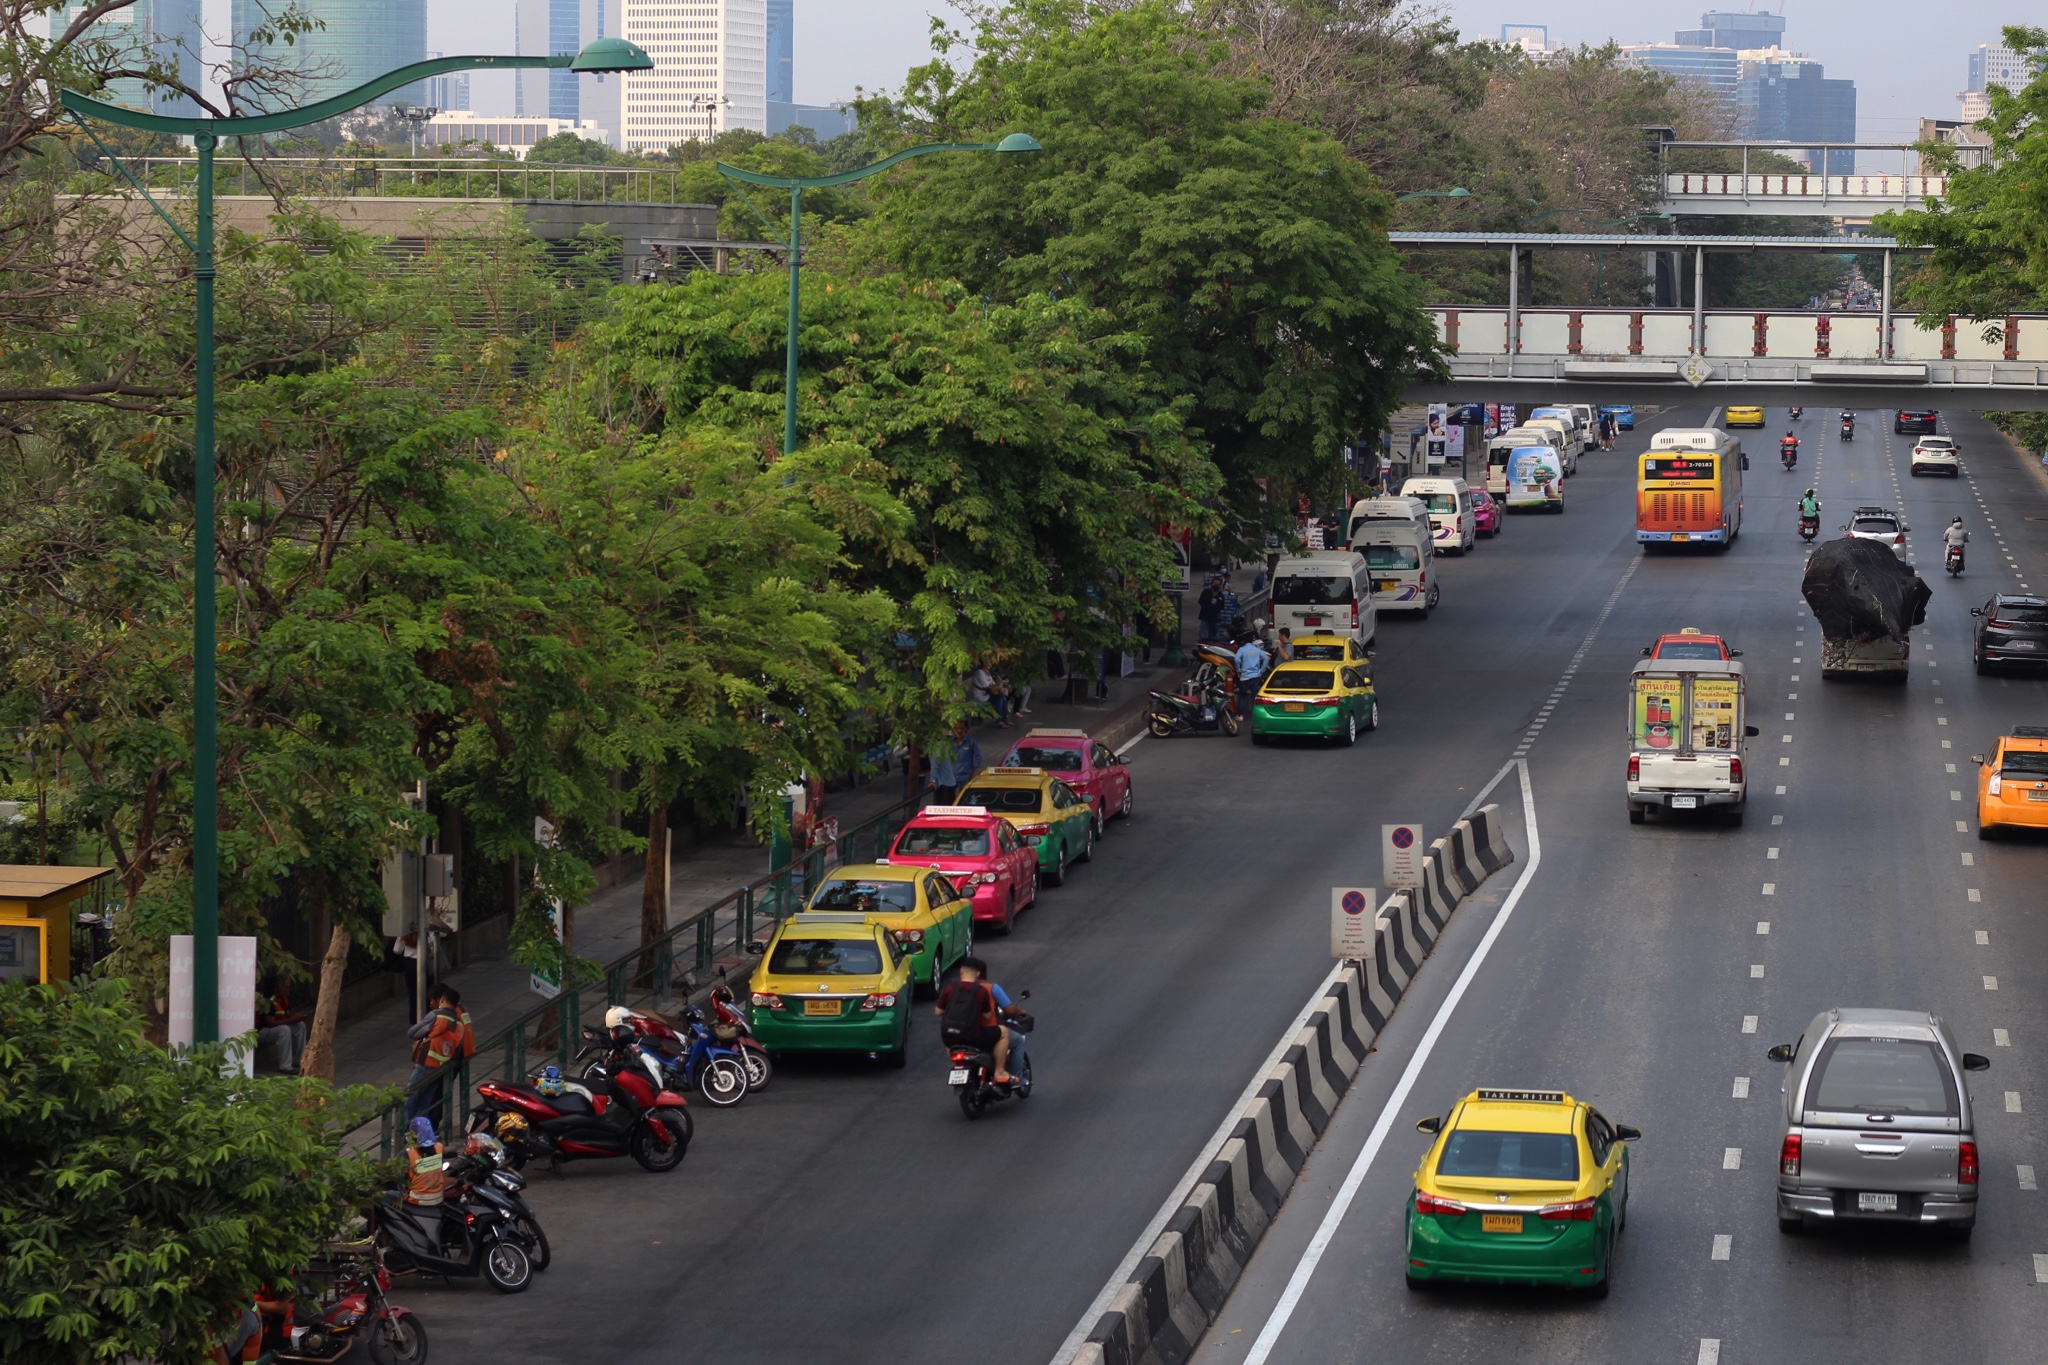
(968, 1005)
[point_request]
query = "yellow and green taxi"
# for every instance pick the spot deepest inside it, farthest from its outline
(931, 917)
(1322, 646)
(1742, 416)
(1049, 814)
(1321, 698)
(1520, 1187)
(2012, 781)
(832, 982)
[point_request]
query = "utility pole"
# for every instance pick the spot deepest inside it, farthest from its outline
(415, 117)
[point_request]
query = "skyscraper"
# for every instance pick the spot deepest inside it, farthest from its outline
(1722, 29)
(1715, 68)
(1991, 66)
(166, 30)
(358, 40)
(781, 52)
(704, 51)
(448, 93)
(1788, 98)
(548, 28)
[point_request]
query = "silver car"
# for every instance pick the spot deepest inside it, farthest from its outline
(1880, 524)
(1877, 1123)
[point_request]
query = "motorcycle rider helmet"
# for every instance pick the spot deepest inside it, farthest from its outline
(511, 1126)
(693, 1015)
(1958, 521)
(484, 1145)
(549, 1082)
(618, 1016)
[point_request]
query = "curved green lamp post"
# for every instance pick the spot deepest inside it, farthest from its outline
(604, 55)
(796, 185)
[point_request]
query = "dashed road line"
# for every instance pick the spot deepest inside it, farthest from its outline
(1741, 1088)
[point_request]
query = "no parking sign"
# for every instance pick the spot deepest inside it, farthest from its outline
(1351, 916)
(1401, 850)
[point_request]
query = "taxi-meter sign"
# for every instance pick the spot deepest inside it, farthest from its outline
(1351, 916)
(1401, 851)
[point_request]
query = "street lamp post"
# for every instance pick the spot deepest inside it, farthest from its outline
(710, 104)
(415, 117)
(796, 185)
(606, 54)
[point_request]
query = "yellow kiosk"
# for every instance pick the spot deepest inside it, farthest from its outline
(37, 907)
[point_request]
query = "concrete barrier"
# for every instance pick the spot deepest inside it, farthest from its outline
(1181, 1283)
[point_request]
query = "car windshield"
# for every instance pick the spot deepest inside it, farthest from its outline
(1883, 525)
(1882, 1076)
(1301, 680)
(942, 841)
(1014, 800)
(2023, 762)
(1057, 760)
(1510, 1156)
(1330, 652)
(826, 957)
(2011, 613)
(1693, 650)
(868, 897)
(1311, 592)
(1441, 502)
(1392, 557)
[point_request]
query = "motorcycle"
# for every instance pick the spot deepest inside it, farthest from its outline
(1809, 527)
(359, 1311)
(1788, 452)
(478, 1172)
(1953, 561)
(689, 1059)
(1798, 413)
(1848, 431)
(630, 1113)
(455, 1238)
(730, 1027)
(972, 1076)
(1195, 711)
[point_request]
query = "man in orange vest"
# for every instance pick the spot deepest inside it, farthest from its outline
(438, 1039)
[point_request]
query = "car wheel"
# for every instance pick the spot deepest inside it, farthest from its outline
(1417, 1286)
(1636, 815)
(1058, 875)
(1009, 917)
(1733, 817)
(897, 1057)
(1258, 738)
(1960, 1232)
(1792, 1226)
(1984, 833)
(1123, 810)
(1101, 821)
(1350, 735)
(938, 973)
(1372, 717)
(1983, 666)
(1087, 854)
(1601, 1290)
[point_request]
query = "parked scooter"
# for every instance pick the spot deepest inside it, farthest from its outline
(690, 1058)
(1193, 711)
(456, 1238)
(729, 1026)
(479, 1171)
(358, 1312)
(626, 1111)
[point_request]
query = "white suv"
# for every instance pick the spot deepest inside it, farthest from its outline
(1880, 524)
(1936, 455)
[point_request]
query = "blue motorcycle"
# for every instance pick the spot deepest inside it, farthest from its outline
(691, 1059)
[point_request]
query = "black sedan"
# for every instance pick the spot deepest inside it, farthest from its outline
(2011, 629)
(1915, 422)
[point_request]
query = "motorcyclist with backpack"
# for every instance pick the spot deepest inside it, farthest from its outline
(972, 1012)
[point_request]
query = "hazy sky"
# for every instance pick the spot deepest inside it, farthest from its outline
(1908, 60)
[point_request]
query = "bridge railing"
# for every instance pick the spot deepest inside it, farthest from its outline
(420, 177)
(1623, 333)
(1906, 190)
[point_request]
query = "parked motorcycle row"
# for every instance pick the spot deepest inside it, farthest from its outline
(1205, 703)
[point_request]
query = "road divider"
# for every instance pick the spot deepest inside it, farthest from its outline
(1178, 1286)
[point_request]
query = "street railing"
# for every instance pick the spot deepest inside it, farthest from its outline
(648, 975)
(419, 177)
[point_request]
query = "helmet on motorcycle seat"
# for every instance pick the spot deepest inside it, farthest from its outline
(483, 1144)
(511, 1125)
(549, 1082)
(622, 1035)
(618, 1016)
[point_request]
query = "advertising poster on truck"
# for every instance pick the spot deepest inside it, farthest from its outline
(1658, 702)
(1713, 720)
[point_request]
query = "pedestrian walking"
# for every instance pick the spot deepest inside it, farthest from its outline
(1251, 667)
(1209, 609)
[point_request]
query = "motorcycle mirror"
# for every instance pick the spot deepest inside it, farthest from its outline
(755, 949)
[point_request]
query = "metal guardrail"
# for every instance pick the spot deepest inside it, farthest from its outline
(552, 1031)
(422, 177)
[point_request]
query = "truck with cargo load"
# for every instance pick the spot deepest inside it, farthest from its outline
(1686, 737)
(1866, 601)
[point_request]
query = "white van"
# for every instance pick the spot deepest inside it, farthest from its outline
(1507, 443)
(1327, 591)
(1579, 431)
(1589, 422)
(1568, 439)
(1535, 479)
(1399, 556)
(1449, 501)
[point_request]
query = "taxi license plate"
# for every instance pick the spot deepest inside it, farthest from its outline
(1294, 706)
(823, 1006)
(1500, 1222)
(957, 1076)
(1684, 802)
(1385, 584)
(1877, 1203)
(2037, 796)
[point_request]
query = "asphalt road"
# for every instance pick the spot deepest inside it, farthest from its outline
(852, 1214)
(1637, 970)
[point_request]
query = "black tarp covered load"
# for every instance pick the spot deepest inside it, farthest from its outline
(1859, 590)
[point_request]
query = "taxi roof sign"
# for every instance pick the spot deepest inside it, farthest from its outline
(1010, 772)
(1525, 1096)
(827, 917)
(1055, 734)
(954, 810)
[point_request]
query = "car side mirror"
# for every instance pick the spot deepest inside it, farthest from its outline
(1429, 1125)
(1750, 732)
(1646, 651)
(1734, 653)
(1977, 759)
(756, 949)
(1976, 1061)
(1976, 611)
(1781, 1053)
(1628, 1132)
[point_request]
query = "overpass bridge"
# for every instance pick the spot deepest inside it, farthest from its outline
(1869, 358)
(1889, 176)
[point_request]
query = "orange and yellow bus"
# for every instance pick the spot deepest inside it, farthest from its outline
(1689, 488)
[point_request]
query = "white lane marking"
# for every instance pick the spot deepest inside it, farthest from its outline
(1946, 744)
(1969, 860)
(1962, 826)
(1950, 766)
(1770, 888)
(1756, 971)
(1975, 896)
(1763, 926)
(2040, 1269)
(2000, 1038)
(1990, 983)
(2027, 1178)
(1741, 1088)
(1781, 790)
(1983, 937)
(1710, 1351)
(1784, 762)
(1791, 696)
(1771, 853)
(1749, 1023)
(1955, 796)
(1788, 715)
(1487, 790)
(1297, 1282)
(1940, 720)
(2012, 1102)
(1731, 1158)
(1786, 740)
(1724, 1245)
(1130, 744)
(1795, 677)
(1777, 819)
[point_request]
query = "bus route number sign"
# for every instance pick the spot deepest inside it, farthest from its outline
(1683, 468)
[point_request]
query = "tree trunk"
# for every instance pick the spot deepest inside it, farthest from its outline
(319, 1058)
(654, 887)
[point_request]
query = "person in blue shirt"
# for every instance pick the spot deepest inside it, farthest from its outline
(1251, 667)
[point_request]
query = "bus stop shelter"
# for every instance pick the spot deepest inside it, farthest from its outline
(38, 907)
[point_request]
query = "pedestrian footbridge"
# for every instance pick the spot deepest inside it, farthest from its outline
(1888, 176)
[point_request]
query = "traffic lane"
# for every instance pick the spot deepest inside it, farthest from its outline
(1164, 973)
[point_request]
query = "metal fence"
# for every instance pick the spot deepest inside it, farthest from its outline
(418, 177)
(651, 976)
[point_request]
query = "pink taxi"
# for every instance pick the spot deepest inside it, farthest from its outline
(1086, 764)
(980, 851)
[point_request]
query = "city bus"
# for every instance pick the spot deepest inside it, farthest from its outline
(1689, 488)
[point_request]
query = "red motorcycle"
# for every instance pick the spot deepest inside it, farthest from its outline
(729, 1026)
(624, 1111)
(359, 1312)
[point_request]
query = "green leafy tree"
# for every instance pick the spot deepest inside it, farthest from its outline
(143, 1200)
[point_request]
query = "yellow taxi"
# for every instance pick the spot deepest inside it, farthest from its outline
(1051, 816)
(1317, 698)
(2012, 781)
(929, 914)
(832, 982)
(1324, 646)
(1743, 417)
(1520, 1187)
